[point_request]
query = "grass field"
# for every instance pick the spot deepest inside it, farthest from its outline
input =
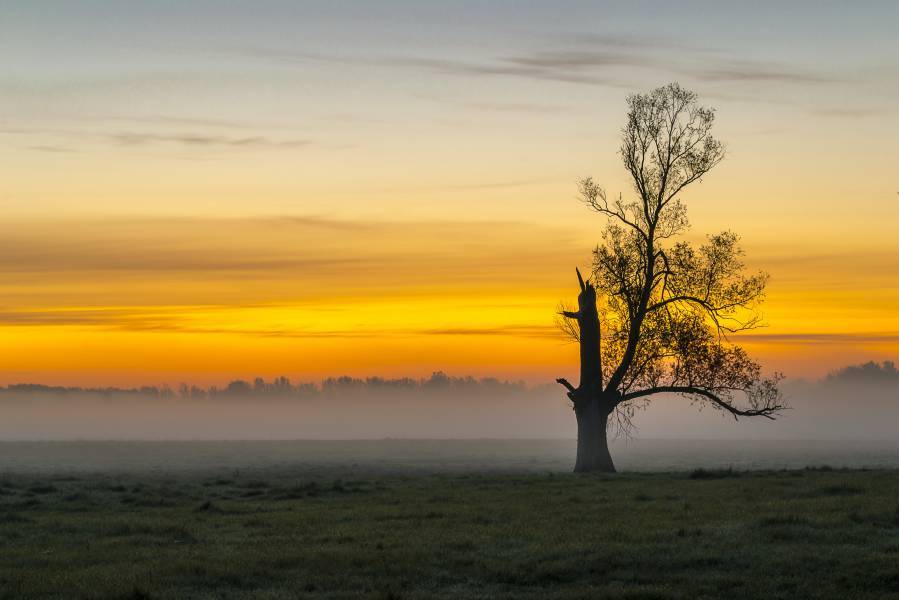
(782, 534)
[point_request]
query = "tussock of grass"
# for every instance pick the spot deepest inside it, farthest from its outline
(209, 507)
(781, 520)
(841, 489)
(714, 473)
(13, 518)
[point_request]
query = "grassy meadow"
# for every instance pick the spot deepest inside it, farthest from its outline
(264, 534)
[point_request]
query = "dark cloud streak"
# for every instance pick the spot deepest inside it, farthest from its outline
(169, 319)
(823, 338)
(751, 72)
(129, 138)
(849, 112)
(53, 149)
(589, 59)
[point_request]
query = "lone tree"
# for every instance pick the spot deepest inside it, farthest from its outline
(667, 306)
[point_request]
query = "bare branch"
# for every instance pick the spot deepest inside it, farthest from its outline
(768, 410)
(571, 389)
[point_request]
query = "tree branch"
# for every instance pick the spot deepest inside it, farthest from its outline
(571, 389)
(768, 411)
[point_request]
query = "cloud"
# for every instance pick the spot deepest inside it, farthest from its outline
(806, 338)
(756, 72)
(191, 139)
(512, 330)
(592, 59)
(634, 41)
(849, 112)
(485, 185)
(323, 251)
(283, 278)
(177, 319)
(83, 316)
(510, 67)
(175, 120)
(572, 61)
(514, 107)
(129, 138)
(52, 149)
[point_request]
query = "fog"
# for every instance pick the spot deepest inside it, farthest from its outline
(859, 403)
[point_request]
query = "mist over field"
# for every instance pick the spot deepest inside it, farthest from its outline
(857, 403)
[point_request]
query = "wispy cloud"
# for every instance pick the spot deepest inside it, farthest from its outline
(319, 249)
(848, 112)
(178, 319)
(472, 186)
(131, 138)
(593, 59)
(514, 107)
(181, 319)
(810, 338)
(292, 277)
(513, 66)
(52, 149)
(505, 330)
(175, 120)
(634, 41)
(197, 140)
(756, 72)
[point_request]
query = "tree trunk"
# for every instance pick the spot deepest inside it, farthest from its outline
(591, 406)
(592, 444)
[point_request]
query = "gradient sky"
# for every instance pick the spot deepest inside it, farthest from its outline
(195, 191)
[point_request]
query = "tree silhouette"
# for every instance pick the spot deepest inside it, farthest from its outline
(667, 306)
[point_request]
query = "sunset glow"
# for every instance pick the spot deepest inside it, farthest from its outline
(325, 192)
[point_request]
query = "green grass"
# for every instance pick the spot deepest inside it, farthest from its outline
(706, 534)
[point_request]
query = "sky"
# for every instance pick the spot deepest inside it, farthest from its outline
(209, 190)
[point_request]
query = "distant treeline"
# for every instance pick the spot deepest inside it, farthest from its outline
(283, 387)
(867, 373)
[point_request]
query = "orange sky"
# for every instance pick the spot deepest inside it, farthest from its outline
(200, 192)
(125, 301)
